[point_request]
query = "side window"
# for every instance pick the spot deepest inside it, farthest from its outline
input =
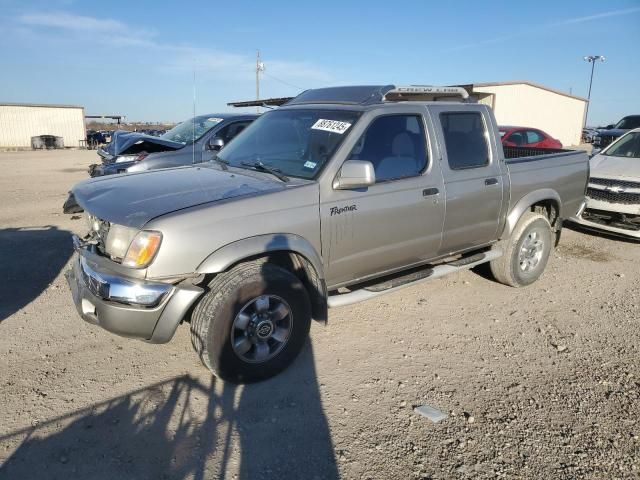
(533, 136)
(227, 133)
(395, 145)
(518, 138)
(464, 136)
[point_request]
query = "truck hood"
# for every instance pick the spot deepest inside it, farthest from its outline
(614, 132)
(604, 166)
(123, 142)
(135, 199)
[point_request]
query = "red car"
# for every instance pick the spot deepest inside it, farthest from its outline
(527, 137)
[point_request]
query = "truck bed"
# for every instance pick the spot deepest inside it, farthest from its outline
(533, 169)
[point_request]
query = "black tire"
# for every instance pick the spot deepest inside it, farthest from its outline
(230, 292)
(513, 269)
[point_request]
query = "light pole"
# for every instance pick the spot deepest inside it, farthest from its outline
(259, 68)
(592, 59)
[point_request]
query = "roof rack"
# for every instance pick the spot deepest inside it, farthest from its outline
(420, 93)
(362, 95)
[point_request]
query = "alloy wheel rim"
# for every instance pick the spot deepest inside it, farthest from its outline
(261, 328)
(531, 251)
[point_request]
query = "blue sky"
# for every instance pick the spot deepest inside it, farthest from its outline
(138, 58)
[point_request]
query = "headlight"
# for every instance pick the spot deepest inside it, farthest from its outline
(143, 249)
(131, 158)
(118, 240)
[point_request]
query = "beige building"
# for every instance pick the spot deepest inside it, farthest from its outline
(21, 121)
(527, 104)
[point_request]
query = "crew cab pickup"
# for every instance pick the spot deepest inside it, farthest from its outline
(338, 196)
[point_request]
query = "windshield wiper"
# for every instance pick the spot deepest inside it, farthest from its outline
(261, 167)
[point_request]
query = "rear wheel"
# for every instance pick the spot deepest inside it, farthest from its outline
(525, 252)
(252, 323)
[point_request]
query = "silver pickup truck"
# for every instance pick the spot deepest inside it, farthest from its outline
(339, 196)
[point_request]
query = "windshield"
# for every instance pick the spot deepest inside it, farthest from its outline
(629, 123)
(191, 130)
(627, 146)
(294, 142)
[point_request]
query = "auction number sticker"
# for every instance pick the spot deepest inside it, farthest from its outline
(214, 120)
(333, 126)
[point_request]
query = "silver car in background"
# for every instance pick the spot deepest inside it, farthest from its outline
(193, 141)
(613, 194)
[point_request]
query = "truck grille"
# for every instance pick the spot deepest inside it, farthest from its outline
(613, 219)
(604, 140)
(614, 197)
(608, 182)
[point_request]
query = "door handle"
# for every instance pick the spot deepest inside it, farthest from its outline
(491, 181)
(427, 192)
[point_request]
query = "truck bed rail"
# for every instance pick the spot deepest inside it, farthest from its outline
(520, 152)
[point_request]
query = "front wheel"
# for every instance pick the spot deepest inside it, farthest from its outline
(252, 323)
(525, 252)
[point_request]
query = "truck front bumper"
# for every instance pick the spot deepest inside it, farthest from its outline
(616, 219)
(126, 306)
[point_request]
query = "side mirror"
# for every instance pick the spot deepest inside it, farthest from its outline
(355, 174)
(609, 127)
(215, 144)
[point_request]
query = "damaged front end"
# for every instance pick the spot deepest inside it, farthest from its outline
(127, 149)
(109, 287)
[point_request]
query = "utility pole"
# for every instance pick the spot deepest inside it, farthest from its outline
(592, 59)
(259, 68)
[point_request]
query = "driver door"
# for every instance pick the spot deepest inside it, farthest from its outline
(396, 222)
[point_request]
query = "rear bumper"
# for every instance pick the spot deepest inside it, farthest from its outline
(125, 306)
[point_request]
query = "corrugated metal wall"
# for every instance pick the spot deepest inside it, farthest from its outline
(524, 105)
(19, 123)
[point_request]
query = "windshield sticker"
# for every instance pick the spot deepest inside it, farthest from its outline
(333, 126)
(214, 120)
(310, 164)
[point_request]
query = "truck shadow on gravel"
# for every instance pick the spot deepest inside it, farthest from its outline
(30, 259)
(187, 428)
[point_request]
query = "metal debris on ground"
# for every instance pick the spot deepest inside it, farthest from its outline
(431, 413)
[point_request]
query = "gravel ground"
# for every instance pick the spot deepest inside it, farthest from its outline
(537, 382)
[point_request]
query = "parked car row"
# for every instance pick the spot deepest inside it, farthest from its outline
(317, 204)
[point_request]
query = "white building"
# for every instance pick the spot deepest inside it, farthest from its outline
(527, 104)
(21, 121)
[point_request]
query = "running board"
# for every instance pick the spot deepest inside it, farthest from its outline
(367, 293)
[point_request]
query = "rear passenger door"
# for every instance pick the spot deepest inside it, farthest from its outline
(473, 178)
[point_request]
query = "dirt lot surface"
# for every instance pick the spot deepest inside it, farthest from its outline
(540, 382)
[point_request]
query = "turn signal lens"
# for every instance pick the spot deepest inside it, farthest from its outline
(143, 249)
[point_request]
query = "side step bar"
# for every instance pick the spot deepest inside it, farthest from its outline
(367, 293)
